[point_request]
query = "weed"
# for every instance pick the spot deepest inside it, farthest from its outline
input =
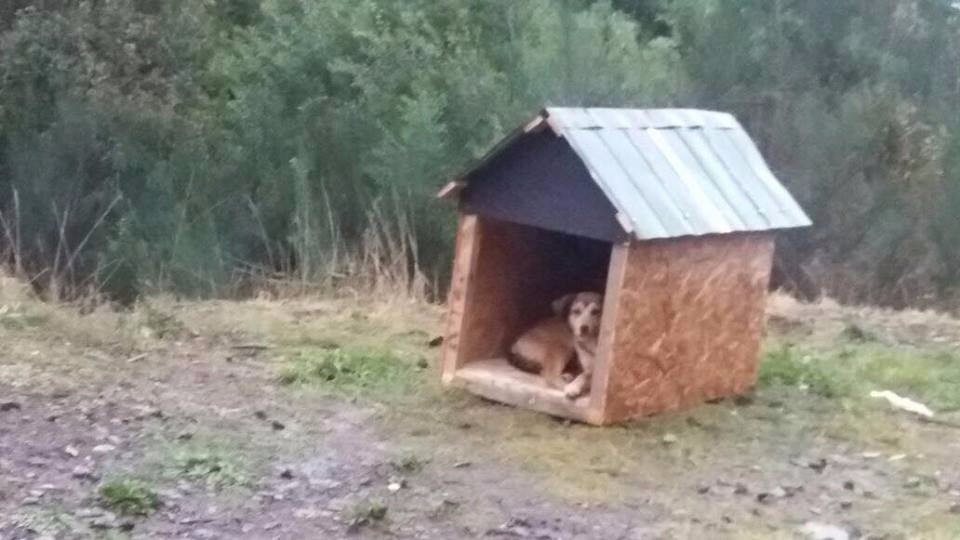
(159, 324)
(216, 468)
(858, 334)
(409, 464)
(780, 365)
(47, 522)
(348, 369)
(444, 510)
(128, 496)
(367, 514)
(15, 317)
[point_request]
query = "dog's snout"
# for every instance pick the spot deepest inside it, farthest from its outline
(584, 329)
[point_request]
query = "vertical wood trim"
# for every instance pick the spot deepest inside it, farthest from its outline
(464, 266)
(608, 327)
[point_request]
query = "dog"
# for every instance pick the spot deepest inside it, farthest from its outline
(569, 338)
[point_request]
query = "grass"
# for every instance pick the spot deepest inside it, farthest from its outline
(353, 371)
(408, 464)
(784, 365)
(852, 370)
(47, 521)
(367, 514)
(129, 496)
(215, 467)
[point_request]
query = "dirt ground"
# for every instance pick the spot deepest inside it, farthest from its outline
(202, 404)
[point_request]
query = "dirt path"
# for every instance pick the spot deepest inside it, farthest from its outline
(203, 422)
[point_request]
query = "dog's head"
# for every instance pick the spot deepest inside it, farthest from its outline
(582, 312)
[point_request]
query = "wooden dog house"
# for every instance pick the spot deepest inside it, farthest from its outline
(668, 212)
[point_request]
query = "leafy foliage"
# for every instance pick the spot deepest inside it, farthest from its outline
(188, 146)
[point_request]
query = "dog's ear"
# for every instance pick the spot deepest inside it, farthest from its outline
(562, 304)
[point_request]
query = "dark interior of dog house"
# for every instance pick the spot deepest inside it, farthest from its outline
(520, 271)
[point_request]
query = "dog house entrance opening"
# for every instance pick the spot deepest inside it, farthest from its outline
(519, 275)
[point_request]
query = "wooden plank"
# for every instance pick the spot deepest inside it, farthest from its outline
(464, 265)
(497, 380)
(451, 189)
(608, 327)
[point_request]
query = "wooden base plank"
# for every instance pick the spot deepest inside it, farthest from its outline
(497, 380)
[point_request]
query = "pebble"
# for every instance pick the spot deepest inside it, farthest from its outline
(669, 438)
(103, 448)
(71, 451)
(82, 472)
(822, 531)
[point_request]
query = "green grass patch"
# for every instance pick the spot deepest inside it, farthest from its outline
(128, 496)
(353, 370)
(854, 369)
(212, 466)
(367, 514)
(785, 365)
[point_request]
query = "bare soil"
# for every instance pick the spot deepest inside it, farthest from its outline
(83, 402)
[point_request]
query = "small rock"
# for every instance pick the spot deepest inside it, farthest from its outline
(260, 415)
(703, 489)
(107, 521)
(822, 531)
(896, 457)
(669, 438)
(103, 448)
(848, 485)
(846, 505)
(435, 342)
(87, 513)
(71, 451)
(462, 464)
(82, 472)
(394, 487)
(740, 489)
(271, 526)
(8, 406)
(184, 436)
(30, 501)
(286, 474)
(870, 455)
(912, 482)
(277, 426)
(818, 465)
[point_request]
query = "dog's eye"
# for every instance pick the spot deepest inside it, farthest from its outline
(595, 311)
(576, 311)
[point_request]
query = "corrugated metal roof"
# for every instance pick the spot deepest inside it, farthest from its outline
(677, 172)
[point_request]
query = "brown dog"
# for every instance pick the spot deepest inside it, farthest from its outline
(550, 346)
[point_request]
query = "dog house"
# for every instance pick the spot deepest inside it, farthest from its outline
(670, 213)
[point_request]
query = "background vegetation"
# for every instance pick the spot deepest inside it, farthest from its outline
(206, 147)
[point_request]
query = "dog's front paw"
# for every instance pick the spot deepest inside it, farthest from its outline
(573, 390)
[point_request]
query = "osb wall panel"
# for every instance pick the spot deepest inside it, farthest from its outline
(688, 322)
(487, 297)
